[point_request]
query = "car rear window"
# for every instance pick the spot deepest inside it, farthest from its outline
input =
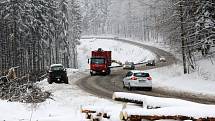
(126, 62)
(150, 61)
(129, 74)
(141, 74)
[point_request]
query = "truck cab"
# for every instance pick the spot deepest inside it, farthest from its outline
(100, 62)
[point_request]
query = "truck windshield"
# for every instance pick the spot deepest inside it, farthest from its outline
(56, 68)
(97, 60)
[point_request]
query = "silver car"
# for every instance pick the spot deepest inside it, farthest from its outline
(137, 78)
(129, 65)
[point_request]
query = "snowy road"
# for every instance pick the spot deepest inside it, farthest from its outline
(67, 100)
(104, 86)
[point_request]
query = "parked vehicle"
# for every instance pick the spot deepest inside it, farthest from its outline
(57, 73)
(162, 59)
(137, 78)
(129, 65)
(150, 63)
(99, 62)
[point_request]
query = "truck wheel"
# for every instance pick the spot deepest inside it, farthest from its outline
(104, 74)
(108, 71)
(150, 88)
(124, 85)
(66, 80)
(50, 81)
(92, 74)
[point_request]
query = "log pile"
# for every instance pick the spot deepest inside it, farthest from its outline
(94, 115)
(20, 89)
(125, 117)
(163, 108)
(151, 102)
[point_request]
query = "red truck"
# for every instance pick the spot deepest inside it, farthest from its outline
(100, 61)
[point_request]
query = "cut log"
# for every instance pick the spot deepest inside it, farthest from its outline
(11, 74)
(140, 118)
(88, 111)
(150, 101)
(88, 116)
(175, 113)
(177, 117)
(127, 99)
(93, 114)
(121, 116)
(105, 115)
(96, 117)
(92, 117)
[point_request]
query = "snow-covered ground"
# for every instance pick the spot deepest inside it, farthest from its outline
(67, 99)
(65, 105)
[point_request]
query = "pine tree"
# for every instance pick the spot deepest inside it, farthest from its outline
(205, 25)
(75, 21)
(34, 34)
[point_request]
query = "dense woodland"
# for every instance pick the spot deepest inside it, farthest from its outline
(37, 33)
(187, 26)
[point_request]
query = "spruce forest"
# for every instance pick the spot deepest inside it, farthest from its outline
(37, 33)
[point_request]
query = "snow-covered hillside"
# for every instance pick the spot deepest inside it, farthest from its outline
(120, 51)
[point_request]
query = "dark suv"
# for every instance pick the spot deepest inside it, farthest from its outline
(129, 65)
(57, 73)
(150, 63)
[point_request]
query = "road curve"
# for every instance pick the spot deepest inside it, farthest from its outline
(104, 86)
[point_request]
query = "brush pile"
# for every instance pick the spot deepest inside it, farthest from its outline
(21, 90)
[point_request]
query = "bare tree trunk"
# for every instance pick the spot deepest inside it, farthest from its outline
(182, 38)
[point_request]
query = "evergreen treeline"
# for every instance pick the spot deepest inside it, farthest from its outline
(125, 18)
(189, 25)
(37, 33)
